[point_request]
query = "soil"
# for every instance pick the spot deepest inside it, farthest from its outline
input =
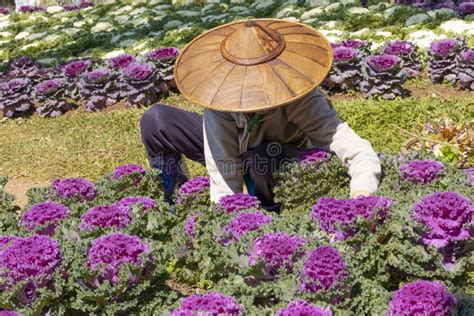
(18, 186)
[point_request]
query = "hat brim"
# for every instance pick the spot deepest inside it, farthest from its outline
(206, 78)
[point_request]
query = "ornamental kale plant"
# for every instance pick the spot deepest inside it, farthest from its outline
(143, 203)
(72, 72)
(15, 98)
(8, 313)
(30, 274)
(238, 202)
(121, 61)
(422, 297)
(447, 218)
(131, 171)
(339, 217)
(24, 67)
(98, 88)
(324, 269)
(194, 192)
(276, 251)
(77, 188)
(383, 77)
(465, 74)
(362, 46)
(52, 95)
(164, 59)
(346, 71)
(407, 51)
(301, 307)
(190, 225)
(4, 11)
(442, 59)
(243, 223)
(43, 218)
(421, 171)
(29, 8)
(466, 8)
(212, 303)
(313, 157)
(106, 216)
(139, 84)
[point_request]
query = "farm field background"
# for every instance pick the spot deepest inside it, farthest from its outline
(85, 228)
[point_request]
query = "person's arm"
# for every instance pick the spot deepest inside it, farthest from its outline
(318, 120)
(221, 149)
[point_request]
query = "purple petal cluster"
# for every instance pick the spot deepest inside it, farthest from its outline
(163, 53)
(29, 258)
(238, 202)
(443, 58)
(190, 225)
(324, 269)
(312, 156)
(444, 47)
(344, 54)
(138, 71)
(137, 171)
(447, 216)
(121, 61)
(74, 68)
(108, 253)
(357, 44)
(191, 187)
(106, 216)
(422, 298)
(246, 222)
(49, 87)
(98, 75)
(144, 202)
(5, 241)
(212, 304)
(398, 48)
(276, 250)
(407, 52)
(44, 215)
(340, 216)
(74, 188)
(383, 63)
(303, 308)
(421, 171)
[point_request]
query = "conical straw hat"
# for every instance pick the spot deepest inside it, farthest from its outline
(252, 65)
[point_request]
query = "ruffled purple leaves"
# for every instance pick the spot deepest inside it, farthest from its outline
(301, 307)
(131, 171)
(109, 253)
(244, 223)
(422, 298)
(139, 84)
(313, 157)
(465, 73)
(407, 51)
(339, 217)
(383, 77)
(163, 59)
(98, 89)
(346, 72)
(192, 189)
(106, 216)
(121, 61)
(442, 59)
(421, 171)
(15, 98)
(52, 95)
(212, 303)
(4, 11)
(78, 188)
(43, 218)
(238, 202)
(143, 203)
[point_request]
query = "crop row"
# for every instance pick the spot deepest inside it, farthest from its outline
(113, 246)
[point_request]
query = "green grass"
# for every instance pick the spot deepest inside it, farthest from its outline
(91, 144)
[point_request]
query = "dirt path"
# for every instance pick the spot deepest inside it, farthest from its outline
(18, 186)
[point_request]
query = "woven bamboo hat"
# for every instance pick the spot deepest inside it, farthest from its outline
(253, 65)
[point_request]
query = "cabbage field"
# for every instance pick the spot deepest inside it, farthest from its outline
(112, 245)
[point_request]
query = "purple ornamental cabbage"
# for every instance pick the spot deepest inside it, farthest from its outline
(30, 9)
(8, 313)
(346, 71)
(5, 241)
(4, 11)
(421, 171)
(422, 298)
(362, 47)
(192, 188)
(212, 303)
(104, 216)
(129, 170)
(85, 4)
(190, 225)
(70, 7)
(466, 8)
(121, 61)
(109, 253)
(442, 59)
(244, 223)
(470, 174)
(24, 67)
(324, 269)
(465, 73)
(407, 51)
(51, 93)
(43, 218)
(78, 188)
(15, 98)
(238, 202)
(301, 308)
(72, 71)
(339, 217)
(98, 88)
(383, 77)
(276, 250)
(33, 259)
(164, 59)
(139, 83)
(313, 156)
(145, 203)
(447, 217)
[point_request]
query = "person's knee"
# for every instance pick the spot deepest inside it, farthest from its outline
(155, 120)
